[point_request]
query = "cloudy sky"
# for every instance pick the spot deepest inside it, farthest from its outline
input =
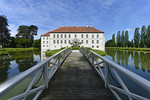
(109, 16)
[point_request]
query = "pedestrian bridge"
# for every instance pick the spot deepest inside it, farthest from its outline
(73, 75)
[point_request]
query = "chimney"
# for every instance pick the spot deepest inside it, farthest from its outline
(62, 25)
(86, 25)
(90, 25)
(76, 25)
(51, 29)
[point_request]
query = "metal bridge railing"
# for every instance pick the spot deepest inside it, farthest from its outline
(105, 67)
(36, 78)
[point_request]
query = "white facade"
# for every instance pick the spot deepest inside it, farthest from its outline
(59, 40)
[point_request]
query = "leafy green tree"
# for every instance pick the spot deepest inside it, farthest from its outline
(118, 39)
(22, 42)
(132, 43)
(148, 37)
(37, 43)
(122, 39)
(27, 32)
(4, 31)
(143, 36)
(126, 39)
(109, 43)
(136, 37)
(113, 39)
(12, 42)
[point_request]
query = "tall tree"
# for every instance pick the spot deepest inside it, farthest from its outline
(143, 36)
(122, 39)
(27, 32)
(4, 31)
(136, 37)
(148, 37)
(126, 39)
(113, 39)
(118, 39)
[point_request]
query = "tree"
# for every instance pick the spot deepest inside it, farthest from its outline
(126, 39)
(109, 43)
(132, 43)
(22, 42)
(4, 31)
(122, 39)
(148, 37)
(37, 43)
(143, 36)
(118, 39)
(136, 37)
(27, 32)
(113, 39)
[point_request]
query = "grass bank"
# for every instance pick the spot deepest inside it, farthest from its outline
(51, 52)
(126, 48)
(102, 53)
(8, 50)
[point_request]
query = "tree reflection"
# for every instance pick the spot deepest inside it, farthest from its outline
(4, 66)
(140, 59)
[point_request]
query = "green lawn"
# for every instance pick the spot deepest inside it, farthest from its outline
(7, 50)
(102, 53)
(126, 48)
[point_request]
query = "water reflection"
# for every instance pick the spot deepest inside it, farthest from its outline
(17, 62)
(138, 60)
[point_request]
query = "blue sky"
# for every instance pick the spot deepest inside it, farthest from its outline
(109, 16)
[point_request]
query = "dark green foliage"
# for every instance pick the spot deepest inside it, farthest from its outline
(113, 39)
(37, 43)
(109, 43)
(22, 42)
(4, 31)
(118, 39)
(75, 48)
(136, 37)
(143, 36)
(27, 32)
(148, 37)
(122, 39)
(126, 39)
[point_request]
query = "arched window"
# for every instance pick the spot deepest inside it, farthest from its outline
(54, 35)
(75, 35)
(69, 36)
(92, 41)
(65, 36)
(61, 36)
(92, 35)
(82, 35)
(86, 35)
(97, 35)
(57, 35)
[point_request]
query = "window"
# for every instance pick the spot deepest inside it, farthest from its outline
(86, 41)
(61, 41)
(97, 35)
(65, 36)
(86, 35)
(43, 42)
(97, 41)
(65, 41)
(82, 35)
(92, 46)
(54, 41)
(47, 45)
(43, 45)
(69, 41)
(54, 35)
(57, 35)
(47, 38)
(75, 35)
(61, 36)
(47, 42)
(43, 38)
(92, 41)
(92, 35)
(81, 41)
(97, 46)
(57, 41)
(69, 36)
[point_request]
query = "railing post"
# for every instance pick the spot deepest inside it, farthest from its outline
(92, 59)
(46, 75)
(107, 76)
(58, 60)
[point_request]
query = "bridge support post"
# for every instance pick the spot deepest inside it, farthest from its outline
(46, 75)
(107, 76)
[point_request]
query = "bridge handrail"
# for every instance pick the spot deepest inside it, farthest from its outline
(108, 64)
(57, 58)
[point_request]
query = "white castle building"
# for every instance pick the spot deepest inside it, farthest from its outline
(87, 36)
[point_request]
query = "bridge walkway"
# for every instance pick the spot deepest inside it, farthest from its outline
(76, 80)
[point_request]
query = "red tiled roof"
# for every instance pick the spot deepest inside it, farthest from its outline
(74, 30)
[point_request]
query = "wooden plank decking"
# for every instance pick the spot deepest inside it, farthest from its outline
(76, 80)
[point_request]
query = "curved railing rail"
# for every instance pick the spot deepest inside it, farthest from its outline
(45, 69)
(103, 66)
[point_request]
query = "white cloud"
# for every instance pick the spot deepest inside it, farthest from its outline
(128, 29)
